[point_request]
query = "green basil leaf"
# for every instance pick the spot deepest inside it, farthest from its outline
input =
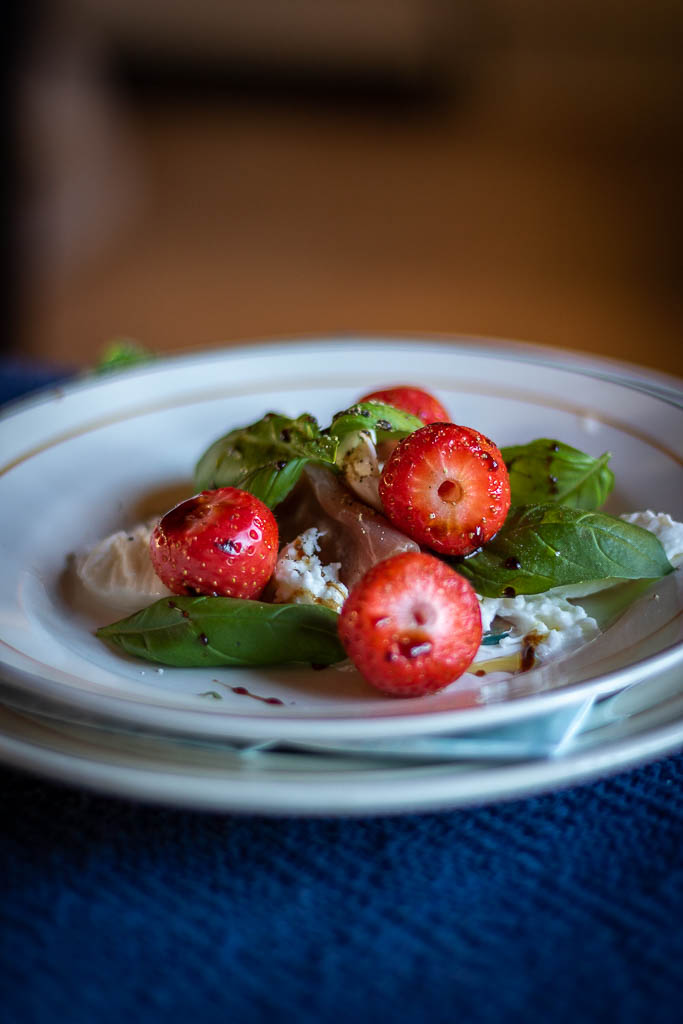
(265, 458)
(383, 422)
(120, 354)
(610, 603)
(202, 632)
(546, 470)
(545, 546)
(272, 485)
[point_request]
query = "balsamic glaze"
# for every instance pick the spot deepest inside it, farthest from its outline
(242, 691)
(528, 655)
(185, 614)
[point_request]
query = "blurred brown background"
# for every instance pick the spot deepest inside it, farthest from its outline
(196, 172)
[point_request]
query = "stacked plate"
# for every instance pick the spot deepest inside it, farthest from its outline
(101, 453)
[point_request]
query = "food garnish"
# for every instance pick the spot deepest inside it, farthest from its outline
(411, 626)
(447, 487)
(413, 400)
(221, 543)
(399, 533)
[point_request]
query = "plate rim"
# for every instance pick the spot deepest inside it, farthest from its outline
(659, 383)
(633, 377)
(231, 725)
(413, 789)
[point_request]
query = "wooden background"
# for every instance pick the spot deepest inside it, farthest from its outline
(516, 175)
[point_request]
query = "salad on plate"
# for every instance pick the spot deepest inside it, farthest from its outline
(393, 540)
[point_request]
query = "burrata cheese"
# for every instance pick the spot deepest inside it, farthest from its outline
(118, 570)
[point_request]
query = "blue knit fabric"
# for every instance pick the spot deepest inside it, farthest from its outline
(565, 907)
(561, 908)
(19, 377)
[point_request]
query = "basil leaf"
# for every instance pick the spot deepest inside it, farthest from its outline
(121, 354)
(201, 632)
(383, 422)
(265, 458)
(609, 604)
(272, 485)
(546, 470)
(544, 546)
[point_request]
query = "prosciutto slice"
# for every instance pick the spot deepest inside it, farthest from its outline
(351, 533)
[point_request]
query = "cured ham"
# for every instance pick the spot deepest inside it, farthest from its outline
(351, 533)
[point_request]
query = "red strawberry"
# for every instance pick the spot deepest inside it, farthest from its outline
(446, 487)
(223, 543)
(413, 400)
(412, 625)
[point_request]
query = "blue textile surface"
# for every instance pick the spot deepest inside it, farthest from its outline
(562, 908)
(19, 377)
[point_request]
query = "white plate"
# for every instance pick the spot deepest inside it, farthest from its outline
(83, 460)
(207, 777)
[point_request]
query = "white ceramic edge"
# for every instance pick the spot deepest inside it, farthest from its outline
(152, 716)
(363, 793)
(228, 726)
(660, 384)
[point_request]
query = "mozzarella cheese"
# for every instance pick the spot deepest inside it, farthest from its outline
(561, 625)
(361, 467)
(668, 532)
(301, 578)
(118, 570)
(556, 624)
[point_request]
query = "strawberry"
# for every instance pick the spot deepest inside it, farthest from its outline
(412, 625)
(447, 487)
(414, 400)
(223, 543)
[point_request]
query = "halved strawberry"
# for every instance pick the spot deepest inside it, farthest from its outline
(447, 487)
(414, 400)
(222, 543)
(412, 625)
